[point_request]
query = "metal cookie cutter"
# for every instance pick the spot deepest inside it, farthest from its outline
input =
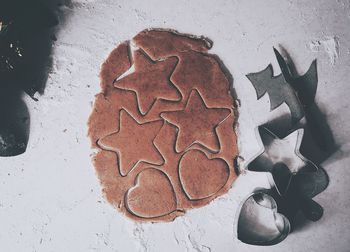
(297, 92)
(281, 156)
(265, 217)
(295, 178)
(259, 221)
(274, 151)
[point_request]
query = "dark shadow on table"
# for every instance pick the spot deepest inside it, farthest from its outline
(26, 39)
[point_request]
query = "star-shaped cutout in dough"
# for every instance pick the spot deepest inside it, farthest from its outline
(196, 123)
(281, 157)
(150, 81)
(133, 143)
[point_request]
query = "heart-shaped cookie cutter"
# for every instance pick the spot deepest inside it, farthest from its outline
(258, 221)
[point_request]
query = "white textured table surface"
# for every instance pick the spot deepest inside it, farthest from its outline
(50, 198)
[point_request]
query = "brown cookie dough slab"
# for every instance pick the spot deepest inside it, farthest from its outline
(160, 44)
(150, 81)
(196, 69)
(104, 118)
(116, 64)
(133, 143)
(117, 190)
(165, 143)
(200, 176)
(203, 73)
(196, 123)
(105, 115)
(228, 143)
(141, 201)
(164, 133)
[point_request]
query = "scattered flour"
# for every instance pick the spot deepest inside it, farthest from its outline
(329, 44)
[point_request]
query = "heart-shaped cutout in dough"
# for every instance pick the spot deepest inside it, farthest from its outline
(202, 177)
(152, 196)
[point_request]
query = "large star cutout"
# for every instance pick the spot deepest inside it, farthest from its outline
(196, 123)
(150, 81)
(133, 143)
(281, 157)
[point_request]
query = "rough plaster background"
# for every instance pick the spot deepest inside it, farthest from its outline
(50, 199)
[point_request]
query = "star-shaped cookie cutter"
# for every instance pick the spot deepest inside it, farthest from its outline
(274, 150)
(294, 177)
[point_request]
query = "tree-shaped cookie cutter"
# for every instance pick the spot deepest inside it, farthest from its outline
(285, 88)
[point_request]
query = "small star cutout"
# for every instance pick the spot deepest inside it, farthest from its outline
(150, 81)
(133, 143)
(196, 123)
